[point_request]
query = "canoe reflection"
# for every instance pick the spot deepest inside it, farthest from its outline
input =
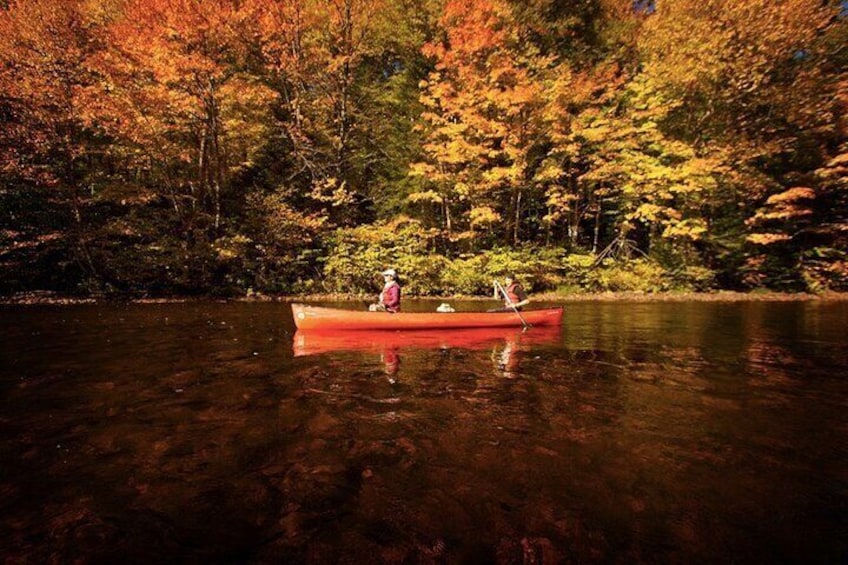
(504, 343)
(315, 343)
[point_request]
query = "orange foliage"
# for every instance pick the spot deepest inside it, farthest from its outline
(788, 205)
(44, 48)
(767, 238)
(172, 91)
(480, 110)
(792, 195)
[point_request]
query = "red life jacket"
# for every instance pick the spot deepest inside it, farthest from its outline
(390, 297)
(514, 298)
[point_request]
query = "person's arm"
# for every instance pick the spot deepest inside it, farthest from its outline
(522, 296)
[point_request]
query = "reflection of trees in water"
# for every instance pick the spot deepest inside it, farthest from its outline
(421, 480)
(467, 444)
(643, 434)
(771, 365)
(638, 447)
(146, 467)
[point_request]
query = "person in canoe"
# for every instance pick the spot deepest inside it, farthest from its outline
(389, 300)
(512, 294)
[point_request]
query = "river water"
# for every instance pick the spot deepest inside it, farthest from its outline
(691, 432)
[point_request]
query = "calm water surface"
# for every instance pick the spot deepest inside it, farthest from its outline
(636, 433)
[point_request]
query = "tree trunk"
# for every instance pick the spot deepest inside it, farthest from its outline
(85, 259)
(447, 215)
(517, 218)
(597, 228)
(218, 171)
(201, 172)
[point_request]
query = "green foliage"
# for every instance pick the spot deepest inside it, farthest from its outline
(577, 272)
(825, 268)
(468, 275)
(637, 275)
(696, 278)
(357, 256)
(536, 268)
(581, 273)
(422, 275)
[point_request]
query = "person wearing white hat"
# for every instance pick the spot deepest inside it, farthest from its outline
(390, 296)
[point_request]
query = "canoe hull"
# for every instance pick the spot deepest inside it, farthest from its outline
(317, 318)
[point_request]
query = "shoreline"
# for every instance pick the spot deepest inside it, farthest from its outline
(50, 298)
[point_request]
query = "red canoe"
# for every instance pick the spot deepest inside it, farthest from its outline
(318, 318)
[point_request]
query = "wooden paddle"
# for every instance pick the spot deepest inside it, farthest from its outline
(509, 301)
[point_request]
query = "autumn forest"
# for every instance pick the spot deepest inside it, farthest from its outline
(193, 147)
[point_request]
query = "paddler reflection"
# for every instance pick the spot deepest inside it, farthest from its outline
(391, 363)
(505, 358)
(506, 344)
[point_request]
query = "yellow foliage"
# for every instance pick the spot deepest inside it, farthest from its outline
(686, 229)
(481, 104)
(792, 195)
(841, 159)
(767, 238)
(648, 212)
(332, 191)
(482, 217)
(787, 205)
(425, 196)
(421, 169)
(782, 213)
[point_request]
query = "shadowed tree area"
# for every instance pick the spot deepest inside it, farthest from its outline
(158, 147)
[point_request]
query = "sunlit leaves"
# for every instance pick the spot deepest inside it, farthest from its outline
(731, 47)
(660, 182)
(482, 217)
(44, 50)
(782, 210)
(481, 117)
(768, 238)
(426, 196)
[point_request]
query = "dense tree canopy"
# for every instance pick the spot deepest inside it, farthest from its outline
(192, 146)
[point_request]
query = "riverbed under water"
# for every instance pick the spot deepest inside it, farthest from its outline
(635, 433)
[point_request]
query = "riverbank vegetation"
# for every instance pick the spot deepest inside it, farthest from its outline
(185, 147)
